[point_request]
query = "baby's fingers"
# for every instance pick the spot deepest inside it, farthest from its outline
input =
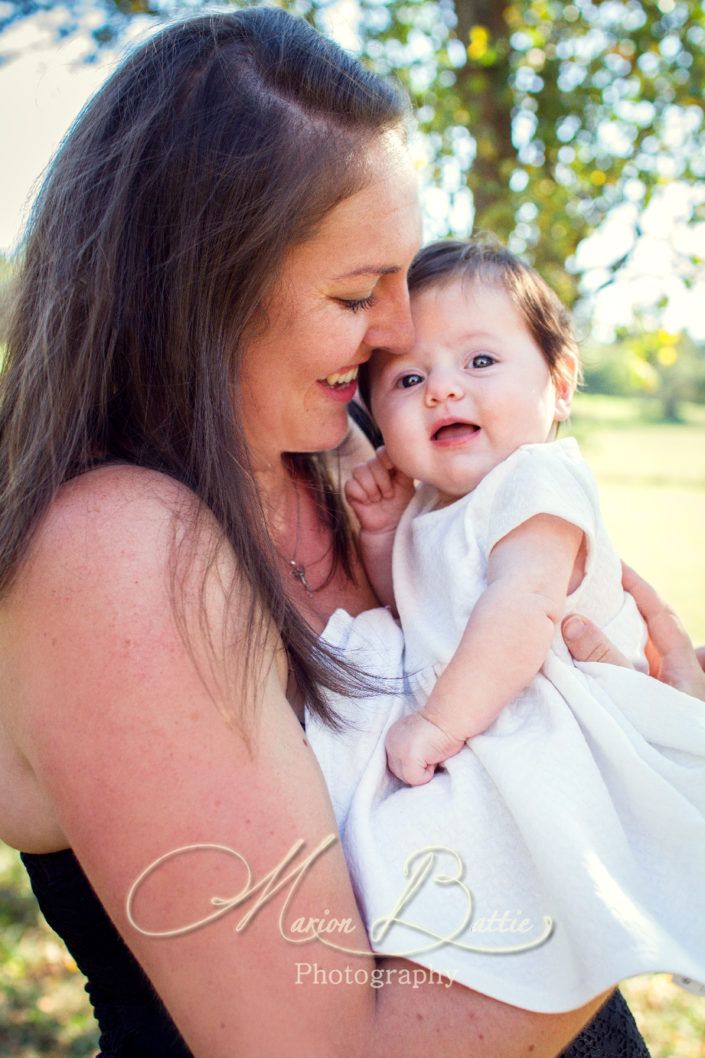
(381, 470)
(408, 770)
(362, 487)
(355, 493)
(382, 454)
(399, 478)
(407, 751)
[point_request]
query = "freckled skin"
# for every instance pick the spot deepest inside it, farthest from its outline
(312, 331)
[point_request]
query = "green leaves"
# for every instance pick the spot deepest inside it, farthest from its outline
(572, 109)
(540, 117)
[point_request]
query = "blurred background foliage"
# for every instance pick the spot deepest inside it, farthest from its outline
(546, 115)
(668, 369)
(540, 121)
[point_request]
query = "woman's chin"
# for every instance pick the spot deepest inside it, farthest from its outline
(331, 434)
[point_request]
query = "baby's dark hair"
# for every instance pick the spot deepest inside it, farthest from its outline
(485, 260)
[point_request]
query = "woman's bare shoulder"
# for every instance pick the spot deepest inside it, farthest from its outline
(113, 499)
(111, 520)
(96, 589)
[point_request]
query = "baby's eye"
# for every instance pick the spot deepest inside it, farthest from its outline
(483, 360)
(413, 378)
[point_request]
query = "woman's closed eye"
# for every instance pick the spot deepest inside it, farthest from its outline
(356, 304)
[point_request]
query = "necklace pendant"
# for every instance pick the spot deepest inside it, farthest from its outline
(298, 572)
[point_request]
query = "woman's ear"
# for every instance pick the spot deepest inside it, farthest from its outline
(565, 383)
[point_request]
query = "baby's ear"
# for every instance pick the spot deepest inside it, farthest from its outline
(565, 382)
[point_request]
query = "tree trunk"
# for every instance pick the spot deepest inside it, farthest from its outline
(485, 90)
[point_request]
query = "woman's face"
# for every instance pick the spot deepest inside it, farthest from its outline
(340, 295)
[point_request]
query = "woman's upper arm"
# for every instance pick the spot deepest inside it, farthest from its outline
(125, 736)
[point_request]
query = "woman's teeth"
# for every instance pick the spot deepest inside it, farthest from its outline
(342, 378)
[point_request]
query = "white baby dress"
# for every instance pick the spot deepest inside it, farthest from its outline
(564, 849)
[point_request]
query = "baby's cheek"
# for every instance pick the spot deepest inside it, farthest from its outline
(403, 452)
(508, 415)
(392, 429)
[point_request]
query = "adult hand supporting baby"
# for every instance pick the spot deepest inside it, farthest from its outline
(669, 651)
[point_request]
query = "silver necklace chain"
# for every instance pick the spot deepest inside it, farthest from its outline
(297, 569)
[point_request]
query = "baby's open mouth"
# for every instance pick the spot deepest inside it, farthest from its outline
(455, 431)
(341, 378)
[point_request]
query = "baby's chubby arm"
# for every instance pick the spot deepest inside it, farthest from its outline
(503, 647)
(511, 628)
(378, 493)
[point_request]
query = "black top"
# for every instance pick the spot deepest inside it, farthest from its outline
(132, 1019)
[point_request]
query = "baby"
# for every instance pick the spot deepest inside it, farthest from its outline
(561, 847)
(494, 368)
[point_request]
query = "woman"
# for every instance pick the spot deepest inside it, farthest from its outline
(223, 239)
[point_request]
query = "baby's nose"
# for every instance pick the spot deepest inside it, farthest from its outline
(443, 385)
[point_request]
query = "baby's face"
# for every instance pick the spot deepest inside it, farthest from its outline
(474, 387)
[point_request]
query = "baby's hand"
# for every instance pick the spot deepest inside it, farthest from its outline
(378, 493)
(415, 746)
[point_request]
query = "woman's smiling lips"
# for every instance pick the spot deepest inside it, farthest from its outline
(452, 432)
(341, 385)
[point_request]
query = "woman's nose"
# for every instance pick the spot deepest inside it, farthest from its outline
(441, 385)
(393, 330)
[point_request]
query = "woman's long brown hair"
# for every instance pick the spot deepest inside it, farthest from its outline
(154, 242)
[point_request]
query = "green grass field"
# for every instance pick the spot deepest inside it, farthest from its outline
(652, 488)
(652, 479)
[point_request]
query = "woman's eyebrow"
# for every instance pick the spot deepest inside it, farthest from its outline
(371, 270)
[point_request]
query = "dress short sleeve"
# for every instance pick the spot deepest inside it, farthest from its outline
(547, 478)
